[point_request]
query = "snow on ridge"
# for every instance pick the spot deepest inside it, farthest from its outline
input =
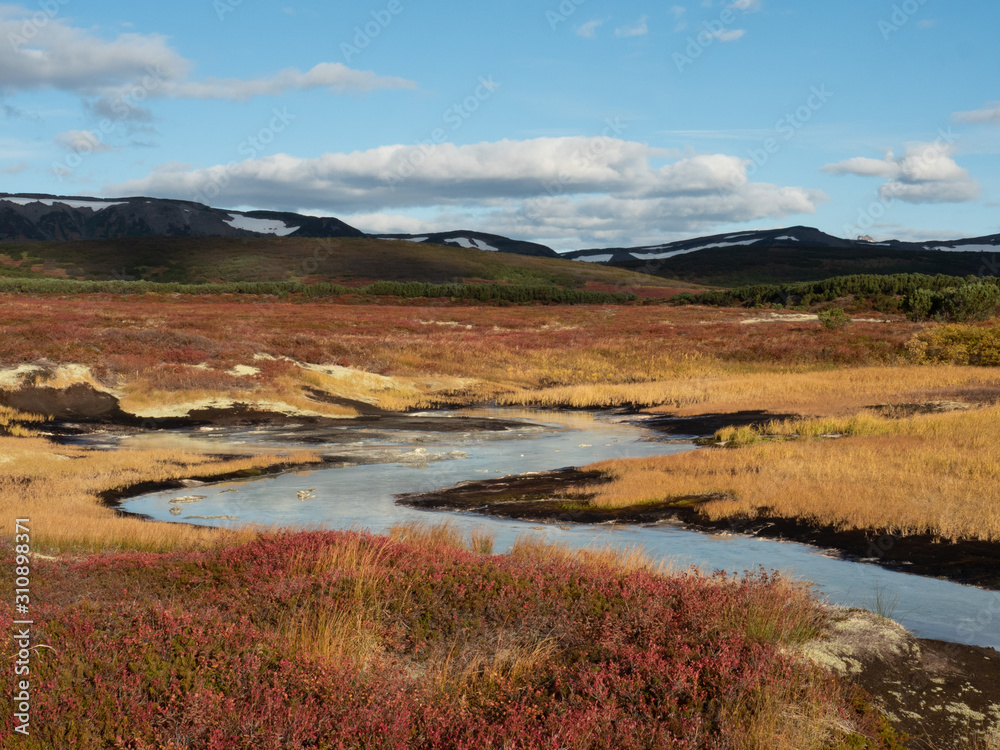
(94, 205)
(262, 226)
(788, 237)
(472, 244)
(671, 253)
(596, 258)
(970, 248)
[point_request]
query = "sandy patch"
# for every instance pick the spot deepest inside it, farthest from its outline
(62, 376)
(801, 318)
(185, 408)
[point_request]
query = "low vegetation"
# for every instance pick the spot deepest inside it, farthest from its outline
(343, 639)
(503, 293)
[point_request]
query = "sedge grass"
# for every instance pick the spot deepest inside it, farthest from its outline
(59, 488)
(933, 474)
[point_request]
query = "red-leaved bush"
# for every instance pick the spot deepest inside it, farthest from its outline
(439, 648)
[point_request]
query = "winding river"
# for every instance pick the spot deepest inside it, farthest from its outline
(359, 493)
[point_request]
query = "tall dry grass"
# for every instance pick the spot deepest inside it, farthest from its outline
(12, 422)
(930, 473)
(59, 487)
(704, 387)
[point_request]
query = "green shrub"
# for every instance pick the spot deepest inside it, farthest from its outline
(833, 319)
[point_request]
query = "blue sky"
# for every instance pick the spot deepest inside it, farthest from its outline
(576, 123)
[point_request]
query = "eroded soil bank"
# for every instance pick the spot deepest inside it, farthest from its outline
(541, 498)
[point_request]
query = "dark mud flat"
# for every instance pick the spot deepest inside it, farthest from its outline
(704, 425)
(538, 498)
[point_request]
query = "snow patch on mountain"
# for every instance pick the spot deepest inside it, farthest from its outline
(472, 244)
(92, 205)
(964, 248)
(263, 226)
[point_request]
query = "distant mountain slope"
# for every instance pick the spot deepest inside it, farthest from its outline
(479, 241)
(37, 217)
(46, 217)
(797, 254)
(353, 261)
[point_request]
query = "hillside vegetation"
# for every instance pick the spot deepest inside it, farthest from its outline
(349, 261)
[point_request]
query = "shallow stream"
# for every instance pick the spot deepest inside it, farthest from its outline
(361, 495)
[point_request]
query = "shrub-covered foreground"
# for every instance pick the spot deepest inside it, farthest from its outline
(345, 639)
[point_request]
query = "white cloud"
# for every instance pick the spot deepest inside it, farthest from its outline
(15, 169)
(640, 28)
(589, 30)
(82, 142)
(335, 77)
(679, 11)
(989, 113)
(728, 35)
(747, 6)
(589, 189)
(925, 173)
(59, 56)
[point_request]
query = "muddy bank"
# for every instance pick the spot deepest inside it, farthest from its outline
(114, 498)
(942, 695)
(80, 409)
(538, 498)
(705, 425)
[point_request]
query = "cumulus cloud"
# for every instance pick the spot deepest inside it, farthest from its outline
(639, 28)
(571, 187)
(924, 173)
(989, 113)
(82, 141)
(588, 30)
(55, 55)
(728, 35)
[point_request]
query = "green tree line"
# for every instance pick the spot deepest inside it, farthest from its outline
(920, 296)
(505, 293)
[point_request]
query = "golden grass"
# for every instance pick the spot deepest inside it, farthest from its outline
(444, 534)
(704, 387)
(12, 423)
(931, 473)
(629, 559)
(58, 488)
